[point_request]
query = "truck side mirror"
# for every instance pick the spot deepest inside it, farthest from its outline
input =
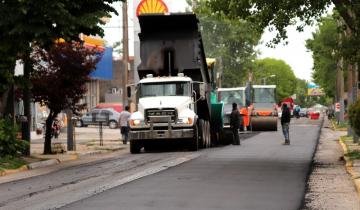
(202, 91)
(199, 90)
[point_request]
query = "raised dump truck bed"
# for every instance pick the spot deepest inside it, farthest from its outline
(175, 87)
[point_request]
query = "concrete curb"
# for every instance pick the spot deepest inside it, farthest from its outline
(44, 163)
(349, 168)
(90, 153)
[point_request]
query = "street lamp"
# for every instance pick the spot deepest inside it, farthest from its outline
(264, 79)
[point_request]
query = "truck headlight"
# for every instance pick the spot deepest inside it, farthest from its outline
(136, 122)
(185, 120)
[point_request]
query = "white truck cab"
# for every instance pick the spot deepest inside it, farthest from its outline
(166, 110)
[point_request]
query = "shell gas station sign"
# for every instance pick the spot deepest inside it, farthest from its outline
(151, 7)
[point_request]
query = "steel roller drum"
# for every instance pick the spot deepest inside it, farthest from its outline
(264, 123)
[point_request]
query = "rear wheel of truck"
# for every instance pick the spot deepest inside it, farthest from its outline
(135, 147)
(207, 135)
(202, 133)
(194, 142)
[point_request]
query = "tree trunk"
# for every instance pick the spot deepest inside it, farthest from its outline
(3, 101)
(9, 108)
(48, 129)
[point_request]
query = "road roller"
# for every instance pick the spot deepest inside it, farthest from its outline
(235, 95)
(264, 115)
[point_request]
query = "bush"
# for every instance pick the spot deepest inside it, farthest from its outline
(9, 145)
(354, 117)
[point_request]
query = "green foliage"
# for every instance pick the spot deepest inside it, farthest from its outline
(354, 116)
(353, 155)
(323, 46)
(11, 163)
(353, 150)
(277, 15)
(49, 20)
(6, 78)
(25, 24)
(273, 13)
(231, 42)
(59, 79)
(284, 78)
(301, 92)
(9, 145)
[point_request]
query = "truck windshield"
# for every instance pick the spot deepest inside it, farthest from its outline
(165, 89)
(229, 97)
(264, 95)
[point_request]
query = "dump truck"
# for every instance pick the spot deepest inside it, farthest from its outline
(264, 115)
(175, 87)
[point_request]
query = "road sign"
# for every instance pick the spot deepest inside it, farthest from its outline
(337, 107)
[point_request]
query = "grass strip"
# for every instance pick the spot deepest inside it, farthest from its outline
(11, 163)
(353, 150)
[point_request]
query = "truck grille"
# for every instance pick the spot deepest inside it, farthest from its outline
(160, 115)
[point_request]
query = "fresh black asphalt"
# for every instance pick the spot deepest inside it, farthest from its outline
(260, 174)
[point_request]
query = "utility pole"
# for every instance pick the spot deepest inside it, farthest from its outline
(125, 51)
(26, 122)
(340, 88)
(221, 72)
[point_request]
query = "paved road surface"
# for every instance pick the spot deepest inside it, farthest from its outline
(259, 174)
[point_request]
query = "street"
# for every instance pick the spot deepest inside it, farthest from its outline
(260, 174)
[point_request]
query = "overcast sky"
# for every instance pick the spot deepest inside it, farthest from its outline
(295, 53)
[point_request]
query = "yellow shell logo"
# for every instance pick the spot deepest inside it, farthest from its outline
(151, 6)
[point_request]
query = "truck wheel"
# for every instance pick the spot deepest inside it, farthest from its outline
(221, 137)
(194, 142)
(134, 147)
(207, 134)
(202, 133)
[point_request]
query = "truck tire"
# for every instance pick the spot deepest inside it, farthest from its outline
(207, 135)
(194, 142)
(202, 133)
(134, 147)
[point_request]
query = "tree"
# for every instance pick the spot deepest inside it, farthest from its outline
(231, 42)
(117, 47)
(301, 92)
(354, 116)
(323, 46)
(275, 72)
(25, 24)
(277, 15)
(280, 14)
(59, 78)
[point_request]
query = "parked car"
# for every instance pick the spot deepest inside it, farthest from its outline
(303, 112)
(115, 106)
(108, 116)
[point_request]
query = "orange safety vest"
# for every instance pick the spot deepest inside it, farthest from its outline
(245, 114)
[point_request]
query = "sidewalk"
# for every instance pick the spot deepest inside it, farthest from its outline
(330, 186)
(87, 144)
